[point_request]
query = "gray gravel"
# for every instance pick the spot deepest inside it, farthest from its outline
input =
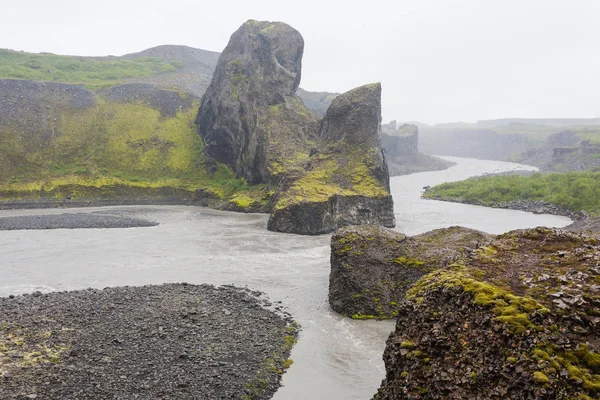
(173, 341)
(71, 221)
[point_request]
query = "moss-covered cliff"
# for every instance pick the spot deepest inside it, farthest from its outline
(518, 319)
(63, 142)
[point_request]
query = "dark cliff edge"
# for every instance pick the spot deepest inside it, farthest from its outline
(519, 318)
(402, 153)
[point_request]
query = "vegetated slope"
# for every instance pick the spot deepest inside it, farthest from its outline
(101, 71)
(167, 66)
(519, 319)
(574, 191)
(61, 141)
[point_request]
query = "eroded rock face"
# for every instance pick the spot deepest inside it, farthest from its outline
(345, 180)
(519, 319)
(250, 116)
(372, 267)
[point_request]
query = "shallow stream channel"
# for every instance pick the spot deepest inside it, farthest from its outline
(335, 357)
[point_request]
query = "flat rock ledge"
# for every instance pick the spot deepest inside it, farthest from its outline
(173, 341)
(71, 221)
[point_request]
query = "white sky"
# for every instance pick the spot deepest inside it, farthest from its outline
(438, 60)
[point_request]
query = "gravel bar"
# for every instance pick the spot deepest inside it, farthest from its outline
(71, 221)
(171, 341)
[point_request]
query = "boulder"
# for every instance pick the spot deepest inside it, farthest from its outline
(518, 319)
(345, 180)
(373, 267)
(250, 116)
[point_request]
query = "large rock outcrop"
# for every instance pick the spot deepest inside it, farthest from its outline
(519, 319)
(402, 153)
(373, 267)
(345, 180)
(250, 116)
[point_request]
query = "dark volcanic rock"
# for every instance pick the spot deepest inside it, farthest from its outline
(519, 319)
(345, 180)
(372, 267)
(250, 116)
(173, 341)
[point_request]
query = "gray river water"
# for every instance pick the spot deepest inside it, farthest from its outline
(335, 358)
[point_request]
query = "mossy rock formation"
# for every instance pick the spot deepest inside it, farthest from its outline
(373, 267)
(345, 180)
(518, 319)
(250, 116)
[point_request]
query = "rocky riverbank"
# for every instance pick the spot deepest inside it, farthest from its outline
(173, 341)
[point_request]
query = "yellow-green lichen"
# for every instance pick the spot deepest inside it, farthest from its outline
(330, 175)
(511, 309)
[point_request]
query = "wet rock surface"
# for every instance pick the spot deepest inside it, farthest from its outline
(173, 341)
(71, 221)
(519, 319)
(372, 267)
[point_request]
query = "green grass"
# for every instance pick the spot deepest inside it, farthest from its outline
(573, 190)
(93, 72)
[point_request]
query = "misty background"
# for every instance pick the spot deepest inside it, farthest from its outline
(438, 61)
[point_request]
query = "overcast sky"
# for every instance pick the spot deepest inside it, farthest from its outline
(438, 60)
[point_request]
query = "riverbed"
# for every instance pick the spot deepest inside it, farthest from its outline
(336, 357)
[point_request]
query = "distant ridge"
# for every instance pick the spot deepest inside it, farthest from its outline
(539, 121)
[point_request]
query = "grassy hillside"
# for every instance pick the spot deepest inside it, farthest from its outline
(93, 72)
(573, 190)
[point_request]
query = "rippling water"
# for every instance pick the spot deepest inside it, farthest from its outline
(335, 358)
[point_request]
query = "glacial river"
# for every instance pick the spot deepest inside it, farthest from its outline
(336, 358)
